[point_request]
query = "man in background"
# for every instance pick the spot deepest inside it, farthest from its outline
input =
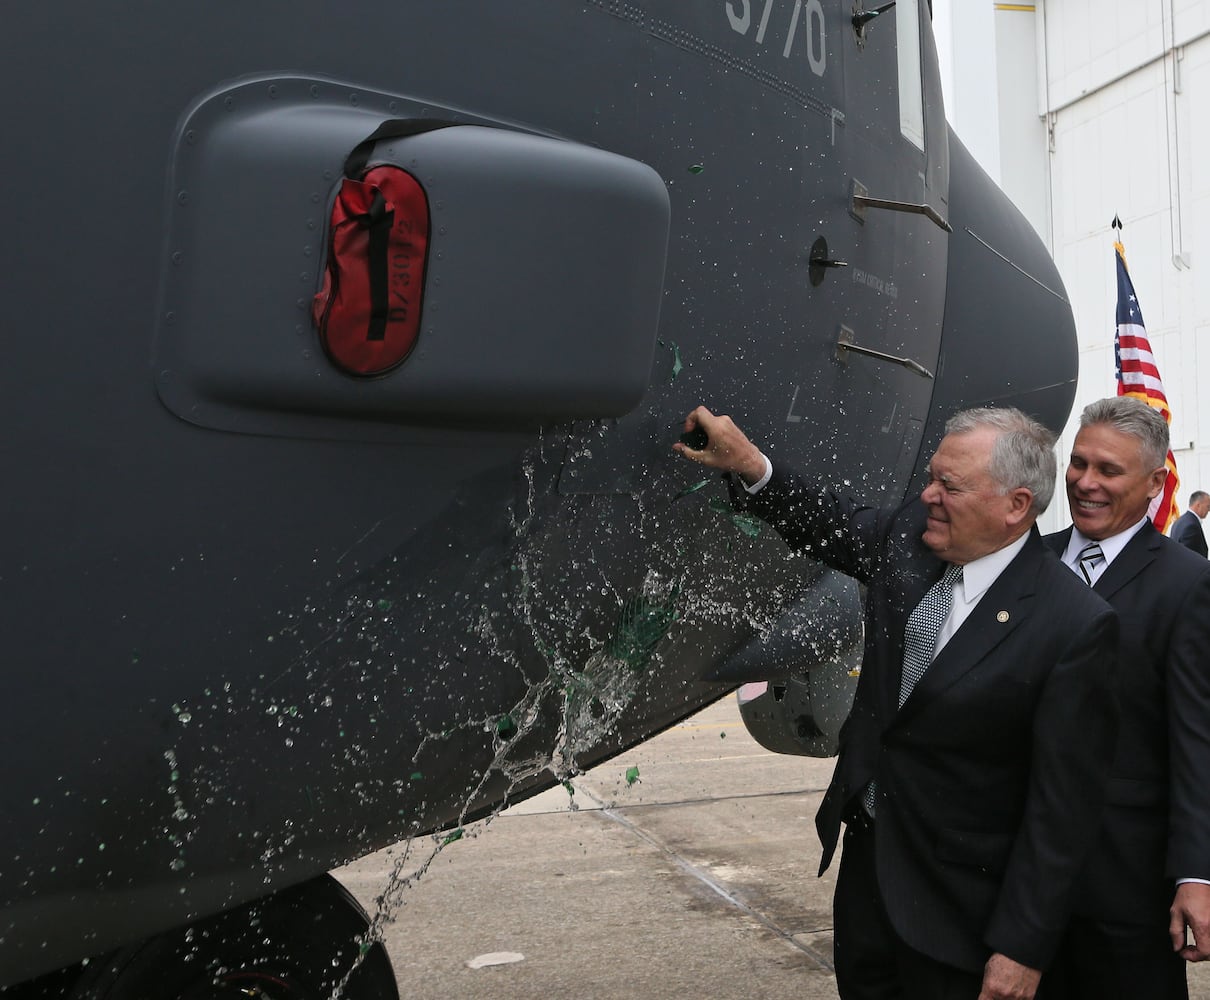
(1188, 528)
(1145, 886)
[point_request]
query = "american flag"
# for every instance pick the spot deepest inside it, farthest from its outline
(1139, 376)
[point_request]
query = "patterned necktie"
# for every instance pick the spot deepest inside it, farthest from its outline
(1089, 559)
(919, 641)
(920, 636)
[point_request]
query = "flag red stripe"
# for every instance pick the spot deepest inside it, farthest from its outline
(1138, 375)
(1139, 368)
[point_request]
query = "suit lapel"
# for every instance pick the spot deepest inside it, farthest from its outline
(1143, 549)
(902, 598)
(1005, 605)
(1058, 542)
(1139, 553)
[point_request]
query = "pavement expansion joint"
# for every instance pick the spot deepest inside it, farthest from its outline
(687, 866)
(696, 801)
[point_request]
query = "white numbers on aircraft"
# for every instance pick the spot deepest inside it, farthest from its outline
(806, 21)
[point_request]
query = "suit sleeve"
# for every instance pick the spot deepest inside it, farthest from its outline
(828, 526)
(1074, 728)
(1180, 530)
(1188, 532)
(1188, 694)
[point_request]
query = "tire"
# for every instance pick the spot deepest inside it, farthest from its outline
(294, 945)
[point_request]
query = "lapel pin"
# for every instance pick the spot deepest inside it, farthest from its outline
(1001, 617)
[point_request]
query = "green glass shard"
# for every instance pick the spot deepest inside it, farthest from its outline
(506, 728)
(632, 775)
(677, 366)
(697, 168)
(456, 835)
(746, 523)
(641, 626)
(416, 776)
(384, 604)
(571, 790)
(692, 489)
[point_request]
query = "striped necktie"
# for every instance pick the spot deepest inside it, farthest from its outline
(1089, 558)
(919, 641)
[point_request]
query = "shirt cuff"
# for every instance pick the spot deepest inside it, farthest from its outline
(1199, 881)
(759, 485)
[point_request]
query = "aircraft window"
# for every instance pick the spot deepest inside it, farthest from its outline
(911, 89)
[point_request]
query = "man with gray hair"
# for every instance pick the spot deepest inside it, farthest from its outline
(1143, 902)
(968, 805)
(1188, 528)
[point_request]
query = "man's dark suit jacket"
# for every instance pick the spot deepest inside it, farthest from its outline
(991, 777)
(1157, 816)
(1188, 532)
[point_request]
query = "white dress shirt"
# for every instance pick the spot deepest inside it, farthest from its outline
(759, 485)
(1111, 548)
(977, 577)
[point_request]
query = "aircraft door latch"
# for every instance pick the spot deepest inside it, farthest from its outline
(861, 201)
(844, 344)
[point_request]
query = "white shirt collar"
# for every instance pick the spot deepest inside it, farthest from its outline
(1111, 547)
(977, 577)
(981, 573)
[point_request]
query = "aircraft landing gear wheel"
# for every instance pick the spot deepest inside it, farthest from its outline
(294, 945)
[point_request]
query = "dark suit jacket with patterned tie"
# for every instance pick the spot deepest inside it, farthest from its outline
(1157, 817)
(991, 777)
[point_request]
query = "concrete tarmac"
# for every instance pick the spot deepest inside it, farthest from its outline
(696, 880)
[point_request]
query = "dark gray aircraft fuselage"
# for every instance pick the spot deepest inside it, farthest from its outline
(263, 616)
